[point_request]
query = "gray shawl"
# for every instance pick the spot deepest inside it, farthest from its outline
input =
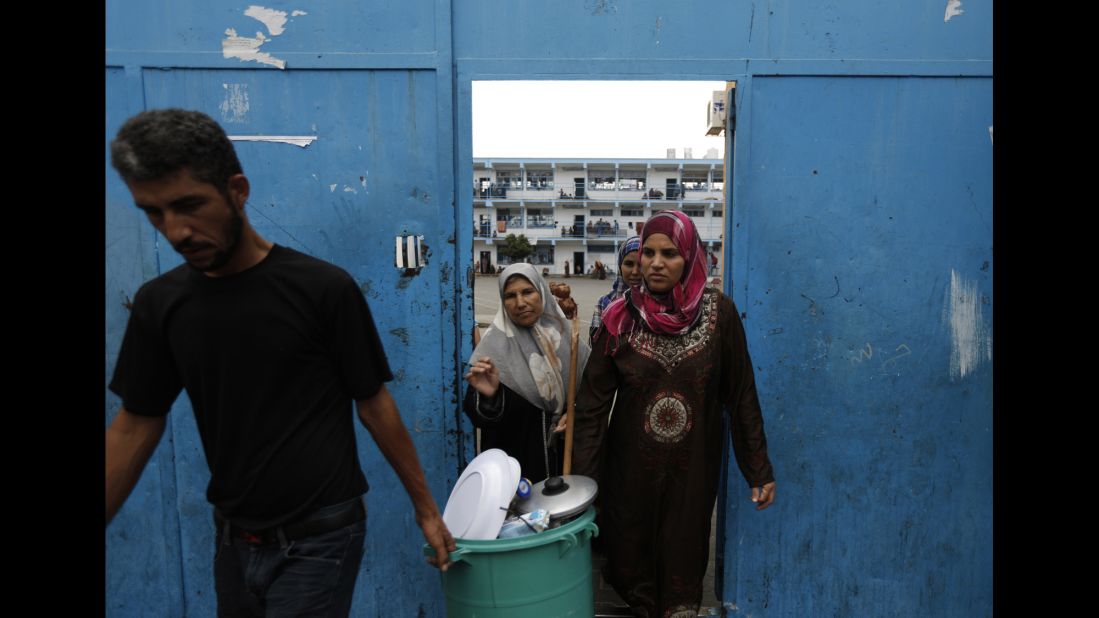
(533, 362)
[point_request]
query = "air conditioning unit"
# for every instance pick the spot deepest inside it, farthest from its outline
(715, 113)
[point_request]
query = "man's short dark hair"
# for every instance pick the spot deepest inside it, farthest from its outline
(160, 142)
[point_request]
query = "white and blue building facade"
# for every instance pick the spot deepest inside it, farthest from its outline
(581, 210)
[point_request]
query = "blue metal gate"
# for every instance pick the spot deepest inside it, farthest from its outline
(863, 264)
(371, 160)
(861, 256)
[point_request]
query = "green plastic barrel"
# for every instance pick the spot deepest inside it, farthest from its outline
(543, 575)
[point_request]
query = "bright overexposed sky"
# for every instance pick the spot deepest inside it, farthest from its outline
(597, 119)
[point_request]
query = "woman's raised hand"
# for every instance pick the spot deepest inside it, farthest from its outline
(484, 377)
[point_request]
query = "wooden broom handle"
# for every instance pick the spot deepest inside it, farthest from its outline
(569, 410)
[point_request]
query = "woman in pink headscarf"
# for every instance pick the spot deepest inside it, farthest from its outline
(674, 351)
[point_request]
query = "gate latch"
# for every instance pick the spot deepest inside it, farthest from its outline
(409, 253)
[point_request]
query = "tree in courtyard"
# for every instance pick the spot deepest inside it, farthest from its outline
(515, 248)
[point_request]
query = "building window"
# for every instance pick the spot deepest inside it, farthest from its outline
(602, 213)
(718, 212)
(539, 217)
(600, 248)
(543, 255)
(482, 188)
(602, 183)
(631, 181)
(633, 212)
(506, 214)
(540, 180)
(694, 212)
(509, 179)
(694, 181)
(484, 228)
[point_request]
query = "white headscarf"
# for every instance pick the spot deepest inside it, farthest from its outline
(534, 361)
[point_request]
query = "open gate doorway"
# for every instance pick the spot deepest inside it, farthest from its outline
(585, 202)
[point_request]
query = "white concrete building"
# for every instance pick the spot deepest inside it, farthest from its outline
(581, 210)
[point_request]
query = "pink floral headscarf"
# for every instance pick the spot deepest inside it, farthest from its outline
(673, 313)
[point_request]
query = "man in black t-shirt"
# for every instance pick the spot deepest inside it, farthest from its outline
(271, 345)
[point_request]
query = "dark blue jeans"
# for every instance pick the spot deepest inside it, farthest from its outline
(314, 576)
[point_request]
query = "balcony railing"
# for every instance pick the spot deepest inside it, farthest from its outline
(492, 191)
(586, 194)
(587, 190)
(575, 232)
(707, 233)
(501, 190)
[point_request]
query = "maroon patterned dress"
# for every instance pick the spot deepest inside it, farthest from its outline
(658, 462)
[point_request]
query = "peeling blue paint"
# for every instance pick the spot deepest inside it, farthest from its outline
(400, 333)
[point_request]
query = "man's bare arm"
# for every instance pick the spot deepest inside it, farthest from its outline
(131, 440)
(381, 418)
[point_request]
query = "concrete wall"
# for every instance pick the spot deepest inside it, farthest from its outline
(859, 250)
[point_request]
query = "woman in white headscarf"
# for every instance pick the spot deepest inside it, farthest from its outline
(518, 374)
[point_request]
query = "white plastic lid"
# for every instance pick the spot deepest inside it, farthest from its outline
(478, 503)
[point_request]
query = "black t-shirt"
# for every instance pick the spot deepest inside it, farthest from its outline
(271, 359)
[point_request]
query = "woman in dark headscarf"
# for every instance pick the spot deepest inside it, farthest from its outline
(519, 373)
(675, 353)
(629, 274)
